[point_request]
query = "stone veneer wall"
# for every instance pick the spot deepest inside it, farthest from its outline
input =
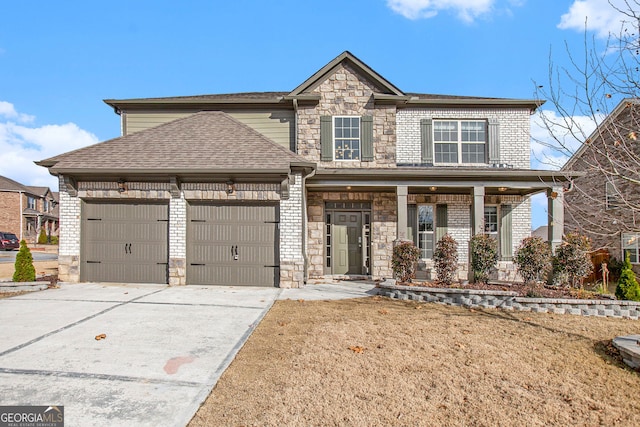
(346, 93)
(291, 257)
(509, 301)
(459, 227)
(514, 131)
(383, 229)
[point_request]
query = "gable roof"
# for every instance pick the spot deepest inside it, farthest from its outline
(39, 191)
(348, 58)
(620, 108)
(205, 142)
(8, 184)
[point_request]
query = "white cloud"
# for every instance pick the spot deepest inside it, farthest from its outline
(21, 145)
(551, 148)
(466, 10)
(7, 110)
(601, 17)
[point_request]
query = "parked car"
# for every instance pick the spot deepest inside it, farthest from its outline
(9, 241)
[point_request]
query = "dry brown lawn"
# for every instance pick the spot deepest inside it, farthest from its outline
(382, 362)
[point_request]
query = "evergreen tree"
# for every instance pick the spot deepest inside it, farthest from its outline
(628, 288)
(24, 269)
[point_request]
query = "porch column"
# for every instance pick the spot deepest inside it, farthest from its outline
(401, 194)
(555, 216)
(477, 219)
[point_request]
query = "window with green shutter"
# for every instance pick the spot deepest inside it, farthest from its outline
(346, 138)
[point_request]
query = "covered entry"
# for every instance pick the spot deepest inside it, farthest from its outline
(348, 237)
(233, 244)
(124, 242)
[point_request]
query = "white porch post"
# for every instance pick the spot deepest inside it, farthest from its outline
(555, 216)
(402, 192)
(478, 210)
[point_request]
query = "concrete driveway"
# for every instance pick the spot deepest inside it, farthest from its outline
(164, 350)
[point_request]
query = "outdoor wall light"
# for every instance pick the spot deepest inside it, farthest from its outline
(433, 188)
(502, 189)
(230, 187)
(122, 186)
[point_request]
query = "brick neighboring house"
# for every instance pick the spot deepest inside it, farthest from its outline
(602, 204)
(24, 210)
(277, 188)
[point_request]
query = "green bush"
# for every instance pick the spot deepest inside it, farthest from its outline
(484, 256)
(445, 257)
(42, 237)
(53, 240)
(24, 270)
(628, 288)
(404, 261)
(532, 258)
(572, 262)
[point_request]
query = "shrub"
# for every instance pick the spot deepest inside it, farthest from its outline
(484, 256)
(572, 261)
(628, 288)
(445, 257)
(24, 270)
(532, 258)
(42, 237)
(404, 261)
(53, 240)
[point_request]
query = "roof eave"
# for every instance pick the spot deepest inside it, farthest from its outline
(531, 104)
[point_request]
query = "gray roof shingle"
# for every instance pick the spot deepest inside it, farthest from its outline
(205, 141)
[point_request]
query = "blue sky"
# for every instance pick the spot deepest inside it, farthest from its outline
(59, 60)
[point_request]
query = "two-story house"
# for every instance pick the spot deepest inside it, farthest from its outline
(277, 188)
(604, 203)
(25, 210)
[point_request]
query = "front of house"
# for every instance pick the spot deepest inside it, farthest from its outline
(277, 188)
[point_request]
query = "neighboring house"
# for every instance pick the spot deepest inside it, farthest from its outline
(275, 188)
(542, 232)
(26, 210)
(604, 203)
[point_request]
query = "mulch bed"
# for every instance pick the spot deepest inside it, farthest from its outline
(539, 291)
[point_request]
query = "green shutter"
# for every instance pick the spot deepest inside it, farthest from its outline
(426, 135)
(412, 223)
(505, 233)
(366, 128)
(441, 221)
(326, 139)
(494, 141)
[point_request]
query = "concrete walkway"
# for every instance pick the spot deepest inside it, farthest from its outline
(163, 352)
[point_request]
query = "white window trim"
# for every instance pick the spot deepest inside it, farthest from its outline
(459, 142)
(612, 200)
(432, 232)
(35, 203)
(637, 246)
(333, 137)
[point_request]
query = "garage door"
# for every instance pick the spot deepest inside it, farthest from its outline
(233, 245)
(124, 243)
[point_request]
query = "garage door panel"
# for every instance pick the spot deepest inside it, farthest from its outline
(217, 232)
(124, 242)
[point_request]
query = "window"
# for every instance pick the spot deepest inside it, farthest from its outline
(459, 141)
(613, 199)
(31, 202)
(631, 246)
(426, 238)
(491, 221)
(346, 138)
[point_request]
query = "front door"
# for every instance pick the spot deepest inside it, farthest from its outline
(346, 232)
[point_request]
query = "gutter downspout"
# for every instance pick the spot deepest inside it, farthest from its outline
(21, 209)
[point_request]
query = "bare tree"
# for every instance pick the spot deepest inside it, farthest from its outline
(599, 88)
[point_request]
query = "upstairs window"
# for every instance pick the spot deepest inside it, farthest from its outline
(613, 200)
(460, 141)
(346, 138)
(31, 202)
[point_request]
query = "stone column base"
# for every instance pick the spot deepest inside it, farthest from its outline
(69, 268)
(177, 272)
(291, 274)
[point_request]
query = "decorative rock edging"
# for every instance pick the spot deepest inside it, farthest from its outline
(23, 286)
(506, 300)
(629, 347)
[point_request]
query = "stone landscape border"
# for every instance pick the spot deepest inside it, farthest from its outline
(507, 300)
(9, 287)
